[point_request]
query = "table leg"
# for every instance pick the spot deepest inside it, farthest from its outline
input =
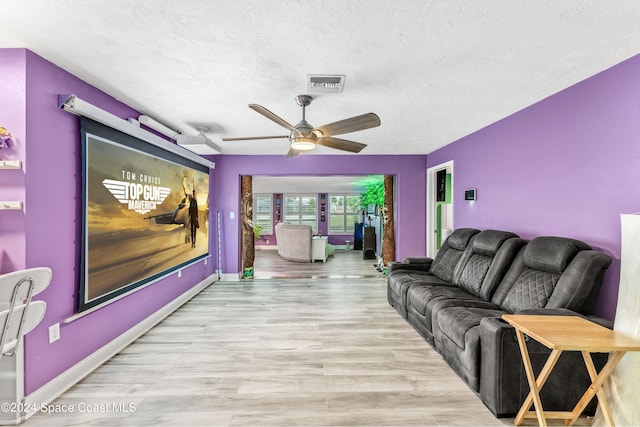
(596, 387)
(534, 384)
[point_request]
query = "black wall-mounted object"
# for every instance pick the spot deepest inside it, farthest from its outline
(470, 194)
(441, 185)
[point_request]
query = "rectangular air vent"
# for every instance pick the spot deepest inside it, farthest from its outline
(325, 83)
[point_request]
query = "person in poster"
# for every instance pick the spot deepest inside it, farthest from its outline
(193, 218)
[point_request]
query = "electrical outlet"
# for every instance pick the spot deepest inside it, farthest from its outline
(205, 261)
(54, 333)
(179, 274)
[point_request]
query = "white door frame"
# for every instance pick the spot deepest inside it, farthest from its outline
(431, 204)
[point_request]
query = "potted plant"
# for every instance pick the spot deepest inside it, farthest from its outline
(257, 231)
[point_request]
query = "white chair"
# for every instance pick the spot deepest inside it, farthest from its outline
(18, 314)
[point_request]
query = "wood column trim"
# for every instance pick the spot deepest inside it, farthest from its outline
(248, 245)
(388, 223)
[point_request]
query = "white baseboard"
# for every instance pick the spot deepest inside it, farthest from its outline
(230, 277)
(54, 388)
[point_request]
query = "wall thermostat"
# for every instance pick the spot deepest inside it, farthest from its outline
(470, 194)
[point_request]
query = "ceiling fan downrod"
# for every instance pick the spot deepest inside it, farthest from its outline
(303, 127)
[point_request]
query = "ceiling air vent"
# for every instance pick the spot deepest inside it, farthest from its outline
(325, 83)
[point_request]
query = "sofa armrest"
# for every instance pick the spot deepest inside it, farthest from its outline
(417, 264)
(503, 382)
(418, 260)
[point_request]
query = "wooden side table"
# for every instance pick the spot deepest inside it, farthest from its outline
(568, 333)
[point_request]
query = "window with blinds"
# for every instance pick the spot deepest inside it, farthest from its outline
(263, 212)
(301, 209)
(344, 213)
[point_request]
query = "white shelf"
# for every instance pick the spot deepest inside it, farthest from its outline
(10, 164)
(11, 206)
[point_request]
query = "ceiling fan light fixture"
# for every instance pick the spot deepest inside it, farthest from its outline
(303, 143)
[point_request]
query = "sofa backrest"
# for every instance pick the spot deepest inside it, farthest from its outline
(485, 261)
(553, 272)
(294, 241)
(450, 253)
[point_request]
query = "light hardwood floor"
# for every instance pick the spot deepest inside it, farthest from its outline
(277, 352)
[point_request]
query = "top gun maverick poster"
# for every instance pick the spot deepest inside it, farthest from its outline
(144, 216)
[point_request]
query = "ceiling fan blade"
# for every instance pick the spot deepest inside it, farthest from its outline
(292, 152)
(341, 144)
(253, 138)
(269, 115)
(353, 124)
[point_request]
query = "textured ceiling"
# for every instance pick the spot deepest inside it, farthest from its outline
(434, 71)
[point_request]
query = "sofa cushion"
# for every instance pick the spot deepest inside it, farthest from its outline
(456, 322)
(447, 263)
(488, 242)
(461, 237)
(398, 285)
(450, 253)
(532, 290)
(457, 339)
(552, 254)
(421, 298)
(474, 273)
(485, 261)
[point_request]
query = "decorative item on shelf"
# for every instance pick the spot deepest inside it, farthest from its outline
(277, 210)
(6, 140)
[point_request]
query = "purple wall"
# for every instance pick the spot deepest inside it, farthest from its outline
(568, 165)
(410, 173)
(48, 230)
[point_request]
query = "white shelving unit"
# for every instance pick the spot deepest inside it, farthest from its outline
(10, 164)
(319, 248)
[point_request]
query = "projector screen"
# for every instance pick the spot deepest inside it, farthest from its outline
(145, 213)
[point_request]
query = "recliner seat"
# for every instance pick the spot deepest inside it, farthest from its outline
(476, 276)
(437, 271)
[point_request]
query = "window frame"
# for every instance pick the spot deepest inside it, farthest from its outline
(300, 196)
(345, 214)
(265, 231)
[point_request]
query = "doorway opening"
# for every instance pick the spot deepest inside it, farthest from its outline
(439, 205)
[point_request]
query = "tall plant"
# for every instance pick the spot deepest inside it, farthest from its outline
(372, 195)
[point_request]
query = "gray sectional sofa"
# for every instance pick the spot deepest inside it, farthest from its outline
(456, 300)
